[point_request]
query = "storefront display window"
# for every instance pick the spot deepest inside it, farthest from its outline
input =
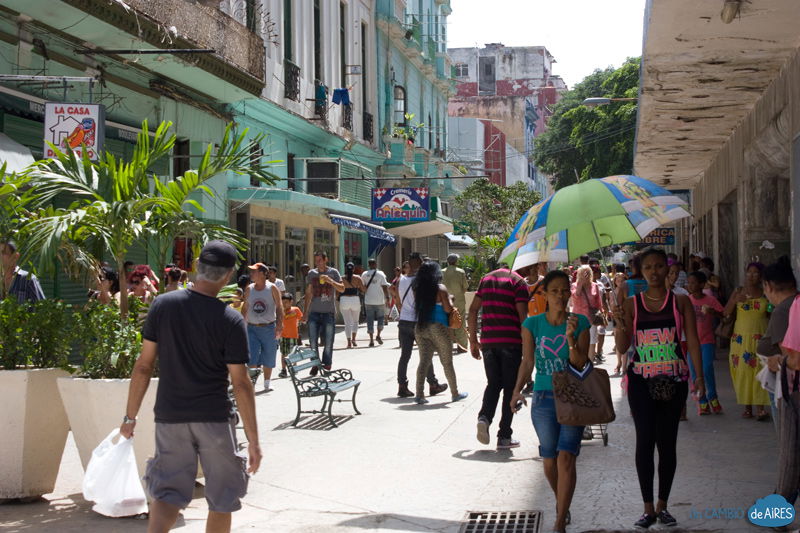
(264, 241)
(352, 247)
(323, 241)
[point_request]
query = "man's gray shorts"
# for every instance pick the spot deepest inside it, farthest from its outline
(172, 471)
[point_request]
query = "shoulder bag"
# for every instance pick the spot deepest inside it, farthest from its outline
(455, 320)
(596, 317)
(583, 397)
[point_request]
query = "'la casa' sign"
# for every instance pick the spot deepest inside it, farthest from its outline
(74, 126)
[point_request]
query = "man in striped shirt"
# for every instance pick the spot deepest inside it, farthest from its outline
(502, 298)
(19, 284)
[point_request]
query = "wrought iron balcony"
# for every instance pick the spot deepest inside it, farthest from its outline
(368, 127)
(291, 75)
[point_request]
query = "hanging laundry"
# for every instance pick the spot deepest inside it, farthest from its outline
(321, 94)
(341, 96)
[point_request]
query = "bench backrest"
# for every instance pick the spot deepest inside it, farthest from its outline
(301, 358)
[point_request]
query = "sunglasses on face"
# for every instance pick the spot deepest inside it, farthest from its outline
(136, 281)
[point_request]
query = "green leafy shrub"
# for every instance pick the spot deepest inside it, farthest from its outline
(475, 269)
(109, 345)
(36, 335)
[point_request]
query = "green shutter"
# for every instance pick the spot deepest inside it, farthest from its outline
(355, 191)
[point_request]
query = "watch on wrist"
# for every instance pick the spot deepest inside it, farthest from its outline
(126, 420)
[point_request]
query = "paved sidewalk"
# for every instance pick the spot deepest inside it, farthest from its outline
(403, 467)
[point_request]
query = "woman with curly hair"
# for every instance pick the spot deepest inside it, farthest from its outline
(749, 307)
(433, 306)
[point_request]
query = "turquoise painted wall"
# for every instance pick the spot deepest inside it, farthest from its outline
(424, 99)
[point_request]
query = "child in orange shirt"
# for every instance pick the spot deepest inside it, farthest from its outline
(289, 335)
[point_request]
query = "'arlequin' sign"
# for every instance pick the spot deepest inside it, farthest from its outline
(410, 204)
(74, 126)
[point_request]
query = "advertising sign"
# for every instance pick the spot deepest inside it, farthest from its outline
(660, 237)
(74, 126)
(401, 205)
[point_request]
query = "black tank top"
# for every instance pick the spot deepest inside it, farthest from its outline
(352, 291)
(657, 343)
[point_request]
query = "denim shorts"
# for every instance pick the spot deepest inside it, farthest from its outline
(553, 437)
(263, 345)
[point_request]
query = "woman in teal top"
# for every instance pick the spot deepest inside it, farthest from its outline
(550, 341)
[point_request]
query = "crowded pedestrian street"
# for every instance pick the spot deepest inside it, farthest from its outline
(403, 467)
(446, 266)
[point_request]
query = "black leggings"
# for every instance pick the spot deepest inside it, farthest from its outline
(656, 426)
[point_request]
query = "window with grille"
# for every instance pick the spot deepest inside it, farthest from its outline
(256, 153)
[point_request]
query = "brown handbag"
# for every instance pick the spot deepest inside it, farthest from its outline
(455, 320)
(725, 327)
(583, 397)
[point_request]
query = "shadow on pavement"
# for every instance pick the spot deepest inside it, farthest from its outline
(424, 407)
(400, 522)
(69, 514)
(491, 456)
(316, 423)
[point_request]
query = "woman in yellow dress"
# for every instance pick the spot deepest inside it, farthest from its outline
(749, 307)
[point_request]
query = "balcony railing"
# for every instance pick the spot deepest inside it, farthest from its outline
(368, 127)
(291, 74)
(347, 117)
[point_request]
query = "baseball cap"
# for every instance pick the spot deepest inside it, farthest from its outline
(218, 253)
(261, 267)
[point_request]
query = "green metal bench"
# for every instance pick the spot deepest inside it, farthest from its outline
(327, 383)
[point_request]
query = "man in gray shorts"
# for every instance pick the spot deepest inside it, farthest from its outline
(198, 341)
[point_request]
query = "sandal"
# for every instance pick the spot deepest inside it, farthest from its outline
(748, 413)
(762, 416)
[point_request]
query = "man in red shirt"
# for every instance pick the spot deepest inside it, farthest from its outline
(502, 297)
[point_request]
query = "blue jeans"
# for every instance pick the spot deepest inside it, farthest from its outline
(263, 345)
(324, 323)
(708, 352)
(553, 437)
(375, 313)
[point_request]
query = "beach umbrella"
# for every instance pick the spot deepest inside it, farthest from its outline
(589, 215)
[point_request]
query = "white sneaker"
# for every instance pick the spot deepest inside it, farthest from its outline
(483, 431)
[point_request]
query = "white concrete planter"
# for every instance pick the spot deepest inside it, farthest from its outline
(33, 432)
(96, 406)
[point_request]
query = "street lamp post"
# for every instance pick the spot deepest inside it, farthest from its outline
(591, 102)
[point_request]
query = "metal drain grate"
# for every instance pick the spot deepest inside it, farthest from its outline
(502, 522)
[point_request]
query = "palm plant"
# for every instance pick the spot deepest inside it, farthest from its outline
(116, 203)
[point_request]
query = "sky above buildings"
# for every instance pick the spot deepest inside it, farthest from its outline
(582, 35)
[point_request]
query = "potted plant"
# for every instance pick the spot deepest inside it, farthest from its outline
(35, 342)
(408, 132)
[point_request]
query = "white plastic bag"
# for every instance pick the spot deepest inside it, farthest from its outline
(394, 314)
(112, 480)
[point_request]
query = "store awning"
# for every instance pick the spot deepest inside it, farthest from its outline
(378, 237)
(460, 239)
(14, 155)
(418, 230)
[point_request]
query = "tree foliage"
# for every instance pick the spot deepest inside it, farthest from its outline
(489, 212)
(591, 142)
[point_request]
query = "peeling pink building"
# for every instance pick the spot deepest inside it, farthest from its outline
(514, 88)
